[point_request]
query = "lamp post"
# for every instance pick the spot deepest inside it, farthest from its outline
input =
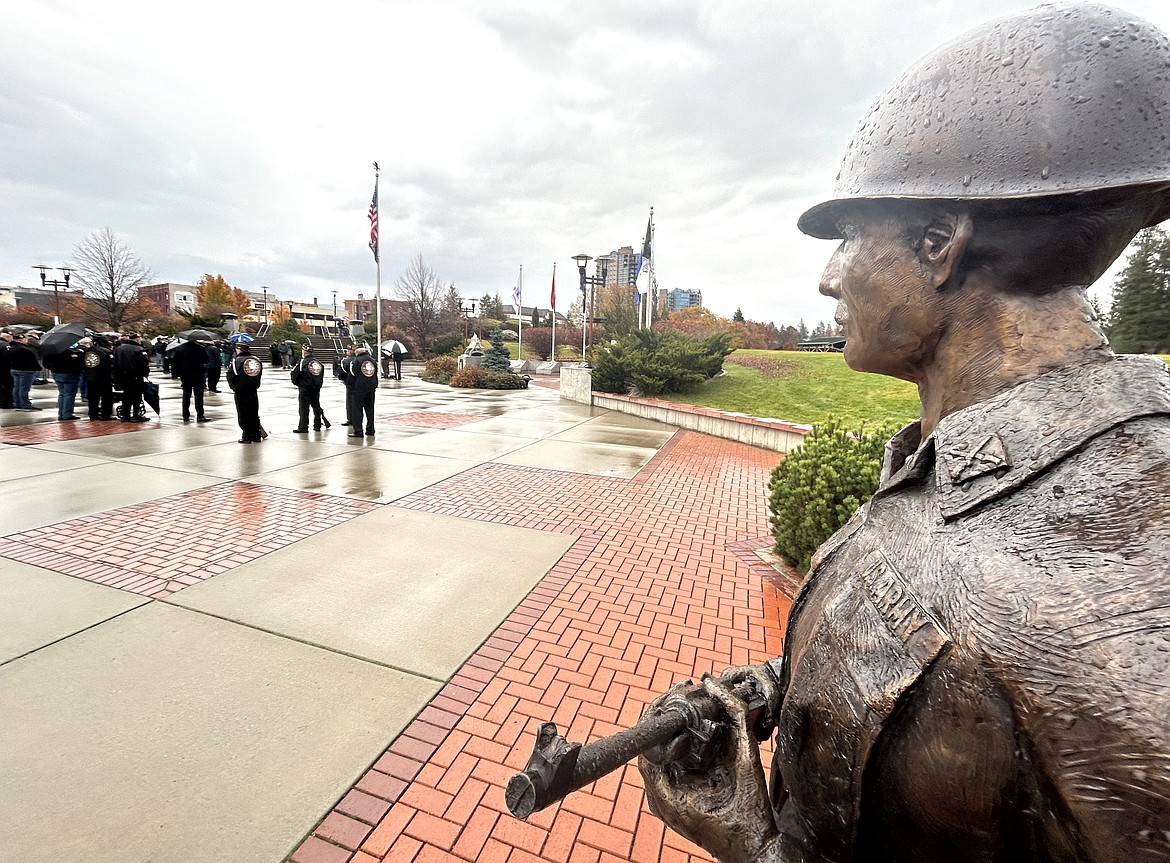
(264, 308)
(588, 297)
(56, 283)
(335, 311)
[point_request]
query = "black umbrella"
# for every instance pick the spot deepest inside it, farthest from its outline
(196, 336)
(61, 337)
(150, 395)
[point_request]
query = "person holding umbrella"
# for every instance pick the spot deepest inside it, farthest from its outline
(62, 357)
(243, 376)
(189, 360)
(131, 369)
(308, 375)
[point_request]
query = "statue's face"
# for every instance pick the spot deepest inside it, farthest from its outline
(890, 311)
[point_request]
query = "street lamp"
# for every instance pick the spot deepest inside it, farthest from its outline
(588, 297)
(56, 283)
(335, 311)
(264, 288)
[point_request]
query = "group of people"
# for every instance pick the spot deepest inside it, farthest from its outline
(102, 370)
(357, 370)
(96, 368)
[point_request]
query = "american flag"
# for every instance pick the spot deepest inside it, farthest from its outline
(552, 298)
(374, 222)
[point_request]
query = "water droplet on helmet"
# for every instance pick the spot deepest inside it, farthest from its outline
(1044, 172)
(967, 180)
(1105, 42)
(1007, 61)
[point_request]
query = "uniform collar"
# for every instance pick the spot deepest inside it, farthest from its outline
(995, 446)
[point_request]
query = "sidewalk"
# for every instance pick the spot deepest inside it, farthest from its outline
(320, 649)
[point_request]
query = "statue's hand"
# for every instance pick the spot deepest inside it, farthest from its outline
(724, 809)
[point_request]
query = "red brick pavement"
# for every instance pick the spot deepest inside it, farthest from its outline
(431, 420)
(657, 588)
(144, 548)
(51, 432)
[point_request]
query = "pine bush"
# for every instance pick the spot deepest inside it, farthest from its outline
(497, 358)
(818, 486)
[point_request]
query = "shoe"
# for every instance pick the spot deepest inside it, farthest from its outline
(186, 419)
(202, 420)
(351, 434)
(316, 428)
(244, 440)
(347, 423)
(300, 431)
(67, 419)
(369, 432)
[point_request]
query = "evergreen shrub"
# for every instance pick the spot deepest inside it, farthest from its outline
(818, 486)
(496, 358)
(654, 362)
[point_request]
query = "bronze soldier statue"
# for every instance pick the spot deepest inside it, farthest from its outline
(977, 667)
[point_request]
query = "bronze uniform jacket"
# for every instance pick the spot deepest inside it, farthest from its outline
(979, 661)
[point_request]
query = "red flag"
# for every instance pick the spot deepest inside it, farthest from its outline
(552, 300)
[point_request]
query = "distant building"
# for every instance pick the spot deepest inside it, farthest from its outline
(171, 298)
(680, 299)
(823, 344)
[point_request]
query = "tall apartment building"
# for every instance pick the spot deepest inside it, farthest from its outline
(619, 267)
(680, 299)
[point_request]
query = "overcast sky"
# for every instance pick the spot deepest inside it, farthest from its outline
(238, 137)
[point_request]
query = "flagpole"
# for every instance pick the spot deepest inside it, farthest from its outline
(552, 301)
(378, 270)
(650, 281)
(520, 317)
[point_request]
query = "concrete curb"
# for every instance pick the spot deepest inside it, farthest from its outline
(767, 433)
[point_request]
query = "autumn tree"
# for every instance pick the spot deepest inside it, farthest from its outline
(421, 290)
(241, 304)
(110, 275)
(213, 295)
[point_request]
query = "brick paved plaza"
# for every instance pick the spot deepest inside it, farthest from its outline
(318, 649)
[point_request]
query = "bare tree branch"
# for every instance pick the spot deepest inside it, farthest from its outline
(422, 291)
(110, 275)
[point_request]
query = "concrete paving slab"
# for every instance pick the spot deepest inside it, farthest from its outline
(164, 734)
(38, 607)
(597, 459)
(234, 460)
(88, 490)
(425, 606)
(453, 443)
(149, 441)
(367, 472)
(509, 425)
(616, 419)
(22, 461)
(595, 432)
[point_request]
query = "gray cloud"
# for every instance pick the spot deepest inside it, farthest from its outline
(509, 132)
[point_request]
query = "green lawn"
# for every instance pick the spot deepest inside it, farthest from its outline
(804, 388)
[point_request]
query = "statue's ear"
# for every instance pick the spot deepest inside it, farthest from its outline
(944, 243)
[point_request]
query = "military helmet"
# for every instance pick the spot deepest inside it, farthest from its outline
(1061, 99)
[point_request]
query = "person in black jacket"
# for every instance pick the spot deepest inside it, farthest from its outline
(131, 369)
(308, 375)
(363, 371)
(66, 370)
(5, 370)
(341, 370)
(243, 376)
(98, 367)
(189, 360)
(25, 367)
(213, 364)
